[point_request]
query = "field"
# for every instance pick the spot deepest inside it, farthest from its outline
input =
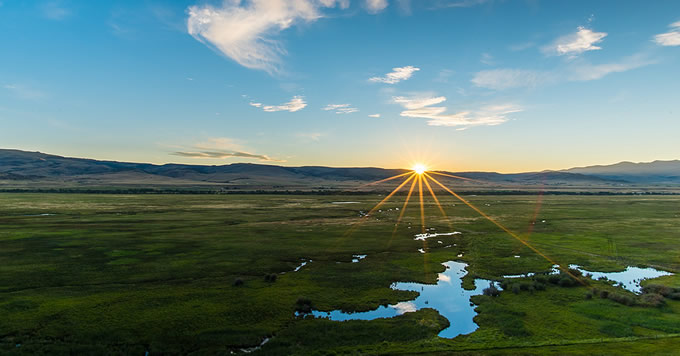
(111, 274)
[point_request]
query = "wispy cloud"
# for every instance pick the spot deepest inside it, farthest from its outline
(297, 103)
(573, 44)
(670, 38)
(487, 59)
(586, 71)
(313, 136)
(375, 6)
(374, 115)
(221, 148)
(246, 31)
(24, 92)
(341, 108)
(54, 10)
(421, 107)
(397, 75)
(440, 4)
(500, 79)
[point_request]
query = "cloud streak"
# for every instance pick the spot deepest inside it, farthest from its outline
(297, 103)
(341, 108)
(397, 75)
(670, 38)
(221, 148)
(421, 107)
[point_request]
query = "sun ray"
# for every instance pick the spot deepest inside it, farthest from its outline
(439, 205)
(422, 206)
(383, 180)
(356, 225)
(452, 176)
(505, 229)
(403, 210)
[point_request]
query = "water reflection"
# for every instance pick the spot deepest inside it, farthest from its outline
(447, 296)
(628, 279)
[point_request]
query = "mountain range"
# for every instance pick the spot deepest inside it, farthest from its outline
(35, 170)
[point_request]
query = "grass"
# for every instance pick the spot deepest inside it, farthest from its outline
(111, 274)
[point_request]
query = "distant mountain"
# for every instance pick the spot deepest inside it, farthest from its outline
(35, 170)
(651, 172)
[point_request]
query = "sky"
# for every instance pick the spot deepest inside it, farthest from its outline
(460, 85)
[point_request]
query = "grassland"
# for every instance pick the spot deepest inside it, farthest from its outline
(111, 274)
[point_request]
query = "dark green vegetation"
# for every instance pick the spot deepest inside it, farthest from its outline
(110, 274)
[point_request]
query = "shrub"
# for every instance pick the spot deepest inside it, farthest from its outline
(492, 291)
(659, 289)
(238, 282)
(566, 281)
(516, 288)
(653, 299)
(538, 285)
(622, 298)
(575, 272)
(524, 285)
(554, 278)
(541, 278)
(604, 294)
(303, 305)
(675, 296)
(270, 277)
(505, 284)
(589, 295)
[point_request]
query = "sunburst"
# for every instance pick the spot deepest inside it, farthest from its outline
(420, 175)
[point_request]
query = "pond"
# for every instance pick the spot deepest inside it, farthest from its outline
(628, 279)
(447, 297)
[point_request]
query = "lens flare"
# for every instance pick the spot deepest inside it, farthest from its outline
(419, 168)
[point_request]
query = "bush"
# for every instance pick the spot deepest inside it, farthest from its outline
(589, 295)
(270, 278)
(541, 278)
(505, 284)
(604, 294)
(539, 286)
(675, 296)
(524, 285)
(575, 272)
(554, 278)
(566, 281)
(516, 288)
(659, 289)
(238, 282)
(492, 291)
(303, 305)
(653, 299)
(622, 298)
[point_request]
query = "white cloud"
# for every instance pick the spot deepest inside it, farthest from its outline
(499, 79)
(341, 108)
(245, 31)
(576, 43)
(487, 59)
(375, 6)
(297, 103)
(418, 102)
(670, 38)
(420, 107)
(397, 75)
(374, 115)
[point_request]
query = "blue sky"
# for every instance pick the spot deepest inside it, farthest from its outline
(458, 84)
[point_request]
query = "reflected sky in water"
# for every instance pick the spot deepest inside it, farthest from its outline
(447, 296)
(630, 278)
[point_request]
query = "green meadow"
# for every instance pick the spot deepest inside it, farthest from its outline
(214, 274)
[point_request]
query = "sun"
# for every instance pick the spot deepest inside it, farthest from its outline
(419, 168)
